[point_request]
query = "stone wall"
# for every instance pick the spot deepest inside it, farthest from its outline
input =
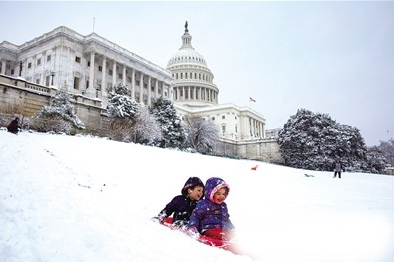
(266, 150)
(19, 97)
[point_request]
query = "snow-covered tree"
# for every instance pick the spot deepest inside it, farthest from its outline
(122, 109)
(146, 129)
(201, 135)
(387, 149)
(314, 141)
(171, 125)
(120, 105)
(60, 114)
(376, 161)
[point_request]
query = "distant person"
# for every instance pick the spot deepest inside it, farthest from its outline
(13, 126)
(337, 168)
(182, 206)
(211, 218)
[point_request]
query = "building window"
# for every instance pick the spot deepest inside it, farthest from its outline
(76, 83)
(39, 61)
(235, 117)
(120, 75)
(88, 63)
(213, 118)
(29, 65)
(37, 81)
(77, 59)
(100, 68)
(47, 78)
(224, 129)
(87, 84)
(110, 72)
(129, 79)
(48, 58)
(223, 117)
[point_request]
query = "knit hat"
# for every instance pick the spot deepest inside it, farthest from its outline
(191, 182)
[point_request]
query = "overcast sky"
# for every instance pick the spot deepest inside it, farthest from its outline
(328, 57)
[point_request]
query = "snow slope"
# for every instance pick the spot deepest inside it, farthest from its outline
(89, 199)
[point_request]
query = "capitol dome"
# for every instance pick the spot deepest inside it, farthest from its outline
(193, 81)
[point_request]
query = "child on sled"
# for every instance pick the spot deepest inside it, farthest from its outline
(182, 206)
(211, 218)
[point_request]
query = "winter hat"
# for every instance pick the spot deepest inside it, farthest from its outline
(212, 185)
(191, 182)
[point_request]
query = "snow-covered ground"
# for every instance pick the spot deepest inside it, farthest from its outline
(69, 199)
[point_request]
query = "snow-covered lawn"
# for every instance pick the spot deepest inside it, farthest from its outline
(87, 199)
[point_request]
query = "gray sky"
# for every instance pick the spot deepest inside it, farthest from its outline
(328, 57)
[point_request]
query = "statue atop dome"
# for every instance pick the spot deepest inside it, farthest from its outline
(186, 30)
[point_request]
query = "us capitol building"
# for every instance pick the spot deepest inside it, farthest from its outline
(91, 65)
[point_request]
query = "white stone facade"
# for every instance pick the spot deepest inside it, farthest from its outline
(196, 94)
(90, 65)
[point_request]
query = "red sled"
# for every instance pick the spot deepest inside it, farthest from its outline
(223, 244)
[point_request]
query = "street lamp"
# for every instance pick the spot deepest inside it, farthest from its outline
(53, 75)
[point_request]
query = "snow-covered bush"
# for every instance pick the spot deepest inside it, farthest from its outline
(146, 129)
(201, 135)
(59, 113)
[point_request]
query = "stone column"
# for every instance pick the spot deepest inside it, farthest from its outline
(124, 75)
(149, 90)
(3, 66)
(133, 84)
(142, 89)
(103, 78)
(157, 89)
(114, 75)
(91, 88)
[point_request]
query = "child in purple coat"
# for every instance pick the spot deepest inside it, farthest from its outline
(182, 206)
(211, 217)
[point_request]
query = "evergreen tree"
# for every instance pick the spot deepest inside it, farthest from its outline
(60, 113)
(120, 105)
(314, 141)
(387, 149)
(376, 161)
(122, 109)
(171, 125)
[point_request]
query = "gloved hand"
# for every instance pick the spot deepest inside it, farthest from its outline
(157, 220)
(193, 232)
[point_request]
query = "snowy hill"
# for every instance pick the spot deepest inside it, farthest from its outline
(68, 199)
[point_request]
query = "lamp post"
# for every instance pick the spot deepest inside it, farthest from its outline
(53, 76)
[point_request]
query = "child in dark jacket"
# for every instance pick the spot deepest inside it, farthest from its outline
(211, 217)
(13, 126)
(182, 206)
